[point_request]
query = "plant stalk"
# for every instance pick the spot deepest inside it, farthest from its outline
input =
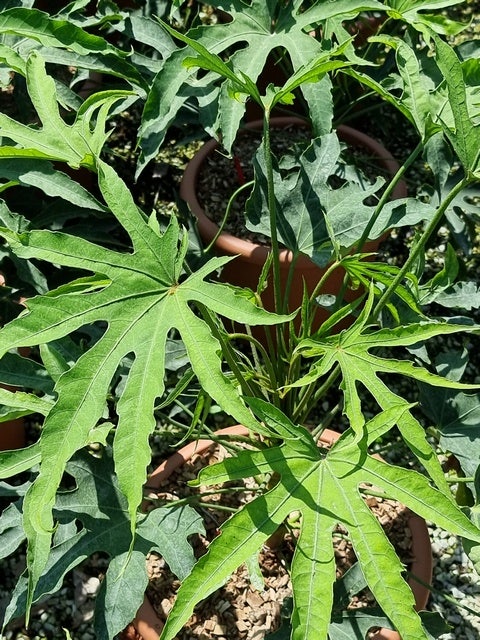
(272, 211)
(387, 193)
(420, 246)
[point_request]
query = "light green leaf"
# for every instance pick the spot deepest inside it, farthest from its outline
(415, 96)
(19, 460)
(326, 492)
(54, 183)
(17, 371)
(35, 24)
(366, 272)
(137, 294)
(257, 29)
(311, 214)
(413, 12)
(351, 350)
(21, 404)
(101, 508)
(456, 416)
(11, 529)
(462, 295)
(464, 135)
(12, 60)
(75, 144)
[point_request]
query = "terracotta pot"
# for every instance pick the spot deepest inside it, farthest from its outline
(12, 433)
(148, 626)
(245, 270)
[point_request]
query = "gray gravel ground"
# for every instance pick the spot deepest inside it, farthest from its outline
(455, 578)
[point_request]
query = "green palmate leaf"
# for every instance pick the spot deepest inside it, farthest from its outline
(17, 404)
(366, 272)
(17, 371)
(101, 508)
(351, 350)
(11, 529)
(257, 29)
(75, 144)
(442, 281)
(462, 295)
(464, 135)
(54, 183)
(412, 11)
(12, 60)
(105, 64)
(207, 60)
(19, 460)
(62, 43)
(354, 625)
(456, 416)
(242, 84)
(326, 492)
(416, 96)
(138, 294)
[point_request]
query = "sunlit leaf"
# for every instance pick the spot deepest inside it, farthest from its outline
(325, 491)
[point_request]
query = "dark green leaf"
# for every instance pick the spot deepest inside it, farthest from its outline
(103, 511)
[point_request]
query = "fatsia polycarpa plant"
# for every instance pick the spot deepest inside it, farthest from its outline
(132, 302)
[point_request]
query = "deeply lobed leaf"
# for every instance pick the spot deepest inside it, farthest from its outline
(326, 492)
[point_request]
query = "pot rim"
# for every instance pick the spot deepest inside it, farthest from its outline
(148, 625)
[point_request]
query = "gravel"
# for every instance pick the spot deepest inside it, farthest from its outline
(457, 587)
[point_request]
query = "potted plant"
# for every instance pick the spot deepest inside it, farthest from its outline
(102, 331)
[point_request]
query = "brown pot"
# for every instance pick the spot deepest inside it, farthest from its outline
(12, 433)
(148, 626)
(245, 269)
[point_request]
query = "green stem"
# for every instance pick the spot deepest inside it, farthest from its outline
(288, 283)
(387, 193)
(312, 304)
(272, 211)
(306, 404)
(233, 197)
(258, 346)
(171, 421)
(327, 420)
(322, 281)
(420, 246)
(226, 351)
